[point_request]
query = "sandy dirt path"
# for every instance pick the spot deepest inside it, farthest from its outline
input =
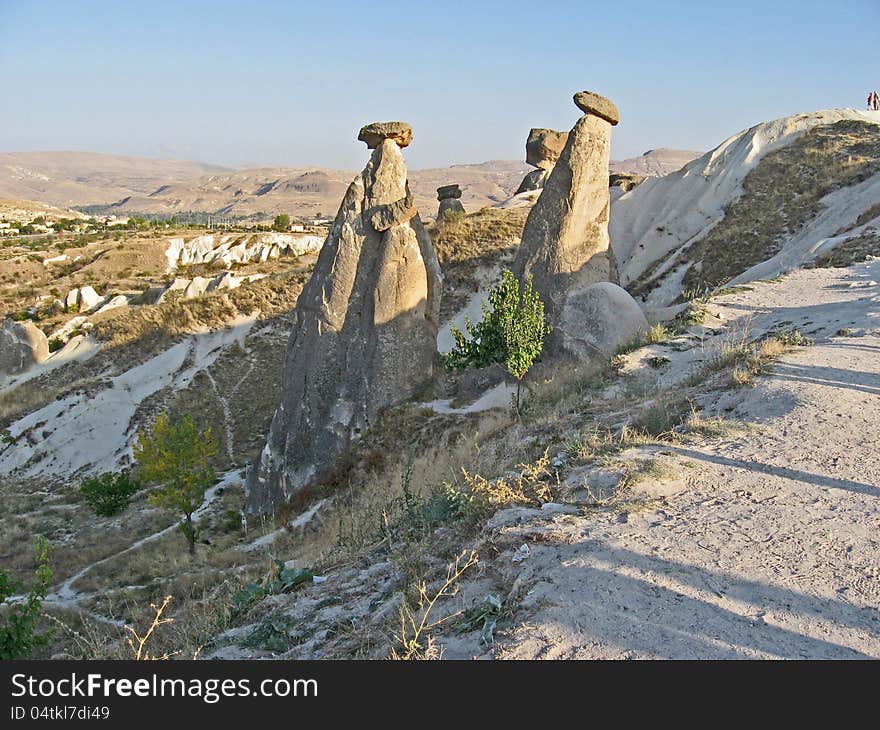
(771, 547)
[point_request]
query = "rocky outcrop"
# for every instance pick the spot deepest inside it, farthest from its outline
(449, 195)
(200, 285)
(626, 181)
(365, 329)
(231, 249)
(22, 345)
(543, 148)
(596, 321)
(565, 243)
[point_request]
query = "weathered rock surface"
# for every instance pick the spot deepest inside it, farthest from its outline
(83, 300)
(591, 103)
(565, 243)
(533, 181)
(199, 285)
(598, 320)
(374, 134)
(118, 301)
(22, 345)
(89, 299)
(449, 205)
(544, 146)
(365, 331)
(626, 181)
(449, 195)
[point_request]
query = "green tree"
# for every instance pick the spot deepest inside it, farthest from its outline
(18, 623)
(282, 222)
(177, 455)
(109, 493)
(511, 333)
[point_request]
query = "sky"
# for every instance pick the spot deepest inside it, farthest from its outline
(290, 83)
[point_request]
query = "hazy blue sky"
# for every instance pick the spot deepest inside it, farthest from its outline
(290, 83)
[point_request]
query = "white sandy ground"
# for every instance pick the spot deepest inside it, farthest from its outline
(92, 432)
(659, 216)
(498, 397)
(769, 546)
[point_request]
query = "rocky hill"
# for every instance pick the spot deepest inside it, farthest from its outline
(66, 179)
(128, 185)
(767, 200)
(309, 192)
(655, 163)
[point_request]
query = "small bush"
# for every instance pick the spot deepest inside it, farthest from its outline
(511, 333)
(530, 486)
(19, 634)
(109, 493)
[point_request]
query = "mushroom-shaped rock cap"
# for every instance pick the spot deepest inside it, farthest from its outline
(374, 133)
(448, 191)
(591, 103)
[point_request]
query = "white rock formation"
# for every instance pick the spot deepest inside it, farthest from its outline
(230, 249)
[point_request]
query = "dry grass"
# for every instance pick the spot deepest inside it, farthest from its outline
(415, 639)
(470, 242)
(530, 484)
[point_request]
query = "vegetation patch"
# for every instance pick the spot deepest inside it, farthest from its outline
(780, 196)
(465, 244)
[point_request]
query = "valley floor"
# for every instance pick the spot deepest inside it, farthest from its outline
(771, 545)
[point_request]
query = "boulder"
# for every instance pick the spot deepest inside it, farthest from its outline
(71, 301)
(374, 134)
(118, 301)
(449, 195)
(596, 321)
(565, 242)
(591, 103)
(445, 192)
(22, 345)
(364, 333)
(196, 287)
(89, 299)
(544, 146)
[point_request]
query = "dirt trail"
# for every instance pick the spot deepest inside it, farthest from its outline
(770, 547)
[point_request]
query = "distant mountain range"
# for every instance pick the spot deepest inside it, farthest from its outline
(128, 185)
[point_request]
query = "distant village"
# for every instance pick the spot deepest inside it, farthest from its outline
(19, 222)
